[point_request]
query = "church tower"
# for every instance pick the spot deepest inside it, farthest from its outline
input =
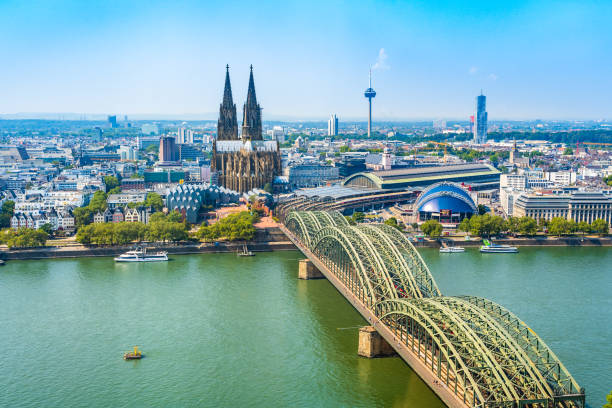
(251, 122)
(227, 127)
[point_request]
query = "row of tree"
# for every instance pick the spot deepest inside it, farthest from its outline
(161, 228)
(487, 225)
(234, 227)
(23, 238)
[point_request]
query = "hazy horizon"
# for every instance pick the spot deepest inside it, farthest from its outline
(534, 60)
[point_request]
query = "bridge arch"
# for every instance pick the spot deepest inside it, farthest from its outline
(472, 353)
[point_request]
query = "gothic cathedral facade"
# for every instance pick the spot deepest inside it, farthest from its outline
(246, 162)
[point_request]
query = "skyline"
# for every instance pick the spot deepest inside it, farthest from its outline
(540, 60)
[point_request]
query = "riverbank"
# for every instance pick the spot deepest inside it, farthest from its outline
(530, 242)
(266, 240)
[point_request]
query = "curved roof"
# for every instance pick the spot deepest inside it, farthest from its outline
(445, 196)
(445, 186)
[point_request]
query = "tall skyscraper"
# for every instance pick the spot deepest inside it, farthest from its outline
(370, 93)
(480, 125)
(184, 136)
(112, 119)
(332, 126)
(168, 151)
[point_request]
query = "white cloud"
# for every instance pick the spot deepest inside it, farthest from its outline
(381, 61)
(473, 70)
(492, 77)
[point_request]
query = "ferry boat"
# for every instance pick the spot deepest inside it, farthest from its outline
(133, 355)
(141, 255)
(492, 248)
(451, 250)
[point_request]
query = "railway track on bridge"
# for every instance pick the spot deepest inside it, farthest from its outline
(470, 351)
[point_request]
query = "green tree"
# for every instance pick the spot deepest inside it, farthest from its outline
(392, 221)
(111, 182)
(155, 201)
(558, 226)
(512, 225)
(464, 225)
(7, 211)
(358, 216)
(82, 216)
(600, 226)
(345, 149)
(568, 151)
(608, 404)
(174, 216)
(482, 210)
(25, 238)
(8, 207)
(268, 188)
(527, 226)
(432, 228)
(98, 202)
(48, 228)
(583, 227)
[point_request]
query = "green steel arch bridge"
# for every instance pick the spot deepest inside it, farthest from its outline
(471, 351)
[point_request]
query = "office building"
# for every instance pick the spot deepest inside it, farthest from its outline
(480, 127)
(112, 120)
(168, 151)
(332, 126)
(578, 206)
(184, 136)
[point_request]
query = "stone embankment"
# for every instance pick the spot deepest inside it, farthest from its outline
(267, 239)
(534, 242)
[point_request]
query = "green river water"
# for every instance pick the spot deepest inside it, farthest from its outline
(218, 330)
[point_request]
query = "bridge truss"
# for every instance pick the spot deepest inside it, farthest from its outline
(476, 348)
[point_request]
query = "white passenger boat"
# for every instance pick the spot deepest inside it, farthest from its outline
(451, 250)
(141, 255)
(491, 248)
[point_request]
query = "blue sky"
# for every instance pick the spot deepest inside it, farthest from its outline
(544, 59)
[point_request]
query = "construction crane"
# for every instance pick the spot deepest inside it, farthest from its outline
(441, 144)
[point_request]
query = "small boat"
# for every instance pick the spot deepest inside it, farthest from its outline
(245, 252)
(133, 355)
(491, 248)
(451, 250)
(141, 255)
(1, 262)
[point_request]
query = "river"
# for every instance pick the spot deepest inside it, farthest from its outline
(218, 330)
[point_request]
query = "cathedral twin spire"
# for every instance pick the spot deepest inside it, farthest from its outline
(227, 128)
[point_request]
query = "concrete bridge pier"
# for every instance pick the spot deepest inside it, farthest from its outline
(307, 270)
(372, 344)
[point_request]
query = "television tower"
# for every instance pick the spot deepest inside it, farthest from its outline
(370, 93)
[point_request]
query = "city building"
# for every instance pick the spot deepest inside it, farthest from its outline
(310, 174)
(448, 203)
(480, 127)
(370, 93)
(112, 120)
(578, 206)
(477, 176)
(245, 163)
(128, 153)
(184, 136)
(332, 126)
(188, 199)
(168, 152)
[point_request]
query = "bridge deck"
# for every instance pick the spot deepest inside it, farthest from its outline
(411, 358)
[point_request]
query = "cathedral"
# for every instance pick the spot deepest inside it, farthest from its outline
(246, 162)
